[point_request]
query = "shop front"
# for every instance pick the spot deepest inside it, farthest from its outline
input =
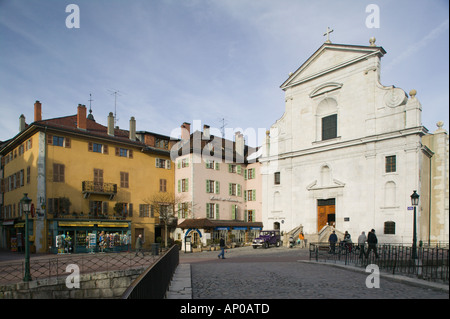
(203, 232)
(13, 232)
(76, 236)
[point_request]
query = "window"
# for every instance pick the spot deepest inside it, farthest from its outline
(183, 185)
(124, 180)
(391, 165)
(212, 186)
(250, 195)
(276, 178)
(249, 173)
(389, 228)
(162, 163)
(28, 174)
(234, 189)
(124, 152)
(212, 210)
(161, 143)
(233, 168)
(144, 210)
(58, 141)
(98, 176)
(97, 148)
(58, 173)
(250, 215)
(163, 185)
(183, 210)
(329, 127)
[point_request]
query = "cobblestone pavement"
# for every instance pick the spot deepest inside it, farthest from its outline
(283, 273)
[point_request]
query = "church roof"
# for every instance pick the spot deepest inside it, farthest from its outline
(328, 58)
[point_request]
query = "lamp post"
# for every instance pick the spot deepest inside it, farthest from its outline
(414, 203)
(26, 205)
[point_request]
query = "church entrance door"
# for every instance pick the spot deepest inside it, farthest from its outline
(326, 209)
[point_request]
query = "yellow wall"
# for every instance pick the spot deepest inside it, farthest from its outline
(79, 162)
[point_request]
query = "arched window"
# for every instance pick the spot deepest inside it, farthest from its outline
(327, 119)
(389, 228)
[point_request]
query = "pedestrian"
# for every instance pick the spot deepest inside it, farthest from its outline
(372, 241)
(138, 246)
(348, 241)
(222, 248)
(301, 237)
(361, 243)
(332, 240)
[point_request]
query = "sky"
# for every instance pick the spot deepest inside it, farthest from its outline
(211, 62)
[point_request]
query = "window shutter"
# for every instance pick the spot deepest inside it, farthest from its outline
(168, 164)
(130, 210)
(239, 190)
(179, 186)
(245, 174)
(245, 195)
(105, 149)
(217, 211)
(207, 210)
(49, 139)
(217, 187)
(233, 212)
(229, 168)
(130, 153)
(179, 164)
(253, 194)
(246, 216)
(117, 151)
(239, 170)
(104, 207)
(207, 186)
(187, 185)
(230, 191)
(156, 162)
(67, 142)
(253, 173)
(217, 166)
(90, 147)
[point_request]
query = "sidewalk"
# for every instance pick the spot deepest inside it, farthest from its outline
(181, 286)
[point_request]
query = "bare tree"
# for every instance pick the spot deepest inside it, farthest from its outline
(168, 207)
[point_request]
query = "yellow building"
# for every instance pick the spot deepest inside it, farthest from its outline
(91, 185)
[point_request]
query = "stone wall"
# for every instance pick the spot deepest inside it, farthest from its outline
(101, 285)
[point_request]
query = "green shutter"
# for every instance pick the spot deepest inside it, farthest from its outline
(179, 186)
(253, 173)
(245, 174)
(207, 210)
(245, 195)
(187, 185)
(230, 188)
(233, 212)
(207, 186)
(179, 210)
(239, 170)
(217, 187)
(229, 168)
(217, 167)
(239, 190)
(217, 211)
(253, 194)
(179, 164)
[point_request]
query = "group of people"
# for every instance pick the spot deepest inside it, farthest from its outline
(371, 240)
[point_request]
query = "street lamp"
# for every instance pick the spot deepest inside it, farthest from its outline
(414, 203)
(26, 206)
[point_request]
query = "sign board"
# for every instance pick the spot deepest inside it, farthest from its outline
(410, 208)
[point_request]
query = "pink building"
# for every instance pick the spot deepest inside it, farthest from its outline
(218, 192)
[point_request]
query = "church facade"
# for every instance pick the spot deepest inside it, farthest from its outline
(348, 151)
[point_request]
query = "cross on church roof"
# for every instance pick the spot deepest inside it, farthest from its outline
(328, 34)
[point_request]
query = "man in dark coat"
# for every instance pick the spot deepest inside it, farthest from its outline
(332, 240)
(222, 248)
(372, 240)
(138, 245)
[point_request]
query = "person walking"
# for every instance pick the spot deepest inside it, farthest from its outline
(222, 248)
(361, 243)
(332, 240)
(138, 246)
(372, 240)
(301, 237)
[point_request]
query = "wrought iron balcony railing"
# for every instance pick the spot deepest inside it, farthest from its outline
(91, 187)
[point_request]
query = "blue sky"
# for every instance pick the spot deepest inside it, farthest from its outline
(183, 60)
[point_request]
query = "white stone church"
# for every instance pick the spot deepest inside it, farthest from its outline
(349, 152)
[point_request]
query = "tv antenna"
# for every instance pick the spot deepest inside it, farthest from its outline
(222, 127)
(115, 93)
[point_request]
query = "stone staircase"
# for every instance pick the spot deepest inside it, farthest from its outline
(319, 237)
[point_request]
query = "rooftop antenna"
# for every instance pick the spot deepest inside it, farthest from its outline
(222, 127)
(115, 93)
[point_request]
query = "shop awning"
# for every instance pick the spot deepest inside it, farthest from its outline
(75, 224)
(91, 224)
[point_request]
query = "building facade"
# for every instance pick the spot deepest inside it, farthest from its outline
(218, 190)
(91, 185)
(348, 151)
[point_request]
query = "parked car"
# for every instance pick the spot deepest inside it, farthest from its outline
(267, 238)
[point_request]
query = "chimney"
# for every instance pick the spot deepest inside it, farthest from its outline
(206, 133)
(37, 111)
(132, 129)
(81, 117)
(185, 131)
(111, 124)
(21, 123)
(239, 146)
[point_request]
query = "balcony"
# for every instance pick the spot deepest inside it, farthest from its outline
(89, 187)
